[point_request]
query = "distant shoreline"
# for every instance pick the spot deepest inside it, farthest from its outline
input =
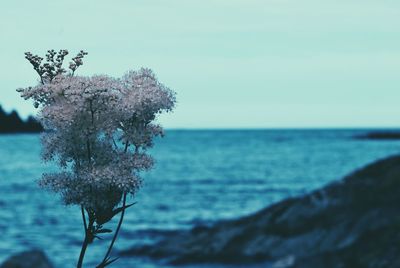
(380, 135)
(11, 123)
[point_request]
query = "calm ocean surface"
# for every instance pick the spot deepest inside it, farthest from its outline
(200, 177)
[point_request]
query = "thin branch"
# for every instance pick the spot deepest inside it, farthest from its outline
(86, 241)
(84, 218)
(91, 110)
(83, 251)
(105, 260)
(115, 143)
(89, 153)
(126, 146)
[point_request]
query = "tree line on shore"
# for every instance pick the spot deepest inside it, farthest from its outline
(12, 123)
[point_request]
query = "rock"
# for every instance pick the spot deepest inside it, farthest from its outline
(354, 222)
(28, 259)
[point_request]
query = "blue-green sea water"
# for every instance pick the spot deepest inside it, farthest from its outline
(201, 176)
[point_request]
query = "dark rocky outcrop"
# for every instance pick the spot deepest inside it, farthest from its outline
(354, 222)
(28, 259)
(12, 123)
(388, 135)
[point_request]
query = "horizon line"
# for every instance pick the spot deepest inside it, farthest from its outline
(286, 128)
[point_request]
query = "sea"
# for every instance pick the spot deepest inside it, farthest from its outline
(200, 177)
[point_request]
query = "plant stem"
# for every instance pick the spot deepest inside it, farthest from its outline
(83, 251)
(126, 146)
(105, 259)
(88, 236)
(84, 218)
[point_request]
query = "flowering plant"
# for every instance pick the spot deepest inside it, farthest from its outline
(97, 129)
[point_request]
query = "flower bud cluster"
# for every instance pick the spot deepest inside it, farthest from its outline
(53, 65)
(77, 61)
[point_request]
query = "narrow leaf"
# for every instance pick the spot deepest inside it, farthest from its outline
(102, 231)
(118, 210)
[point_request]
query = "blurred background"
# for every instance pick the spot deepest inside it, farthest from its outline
(271, 97)
(201, 177)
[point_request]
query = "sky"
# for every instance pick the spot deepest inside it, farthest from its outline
(233, 63)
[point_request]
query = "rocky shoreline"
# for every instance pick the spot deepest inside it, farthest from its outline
(28, 259)
(350, 223)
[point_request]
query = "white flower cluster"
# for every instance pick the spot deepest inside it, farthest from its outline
(98, 129)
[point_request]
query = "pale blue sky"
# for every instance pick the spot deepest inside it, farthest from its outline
(247, 63)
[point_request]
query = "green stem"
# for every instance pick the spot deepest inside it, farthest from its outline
(86, 240)
(105, 259)
(83, 251)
